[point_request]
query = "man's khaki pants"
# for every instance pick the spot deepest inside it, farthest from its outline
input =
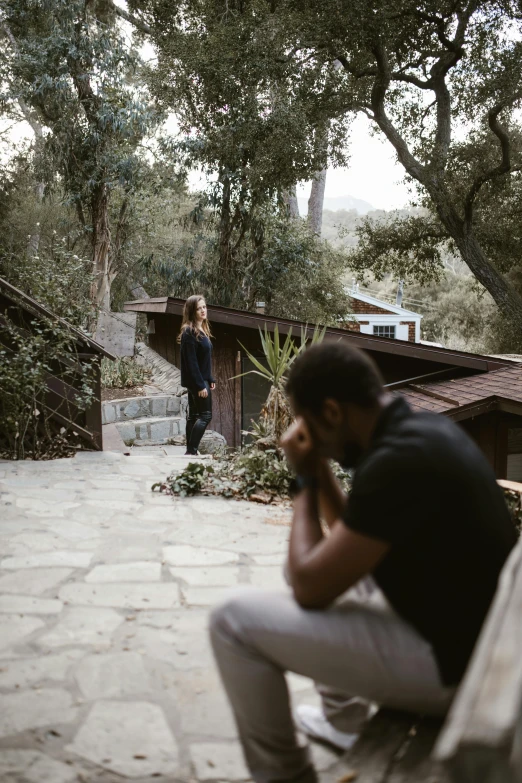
(356, 648)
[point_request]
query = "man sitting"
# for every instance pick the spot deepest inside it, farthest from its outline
(425, 518)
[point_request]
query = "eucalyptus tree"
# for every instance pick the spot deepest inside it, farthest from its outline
(70, 68)
(436, 79)
(251, 130)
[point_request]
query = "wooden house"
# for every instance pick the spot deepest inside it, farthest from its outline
(482, 393)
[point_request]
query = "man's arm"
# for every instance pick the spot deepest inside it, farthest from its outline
(332, 498)
(321, 569)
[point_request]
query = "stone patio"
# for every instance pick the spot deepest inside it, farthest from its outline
(105, 667)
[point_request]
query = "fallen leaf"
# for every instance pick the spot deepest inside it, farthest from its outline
(139, 756)
(351, 775)
(260, 498)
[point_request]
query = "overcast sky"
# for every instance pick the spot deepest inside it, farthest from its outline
(373, 175)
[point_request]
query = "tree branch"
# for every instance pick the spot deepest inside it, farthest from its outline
(505, 165)
(380, 86)
(448, 60)
(143, 27)
(358, 74)
(422, 84)
(24, 108)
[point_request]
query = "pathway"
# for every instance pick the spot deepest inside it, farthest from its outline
(105, 668)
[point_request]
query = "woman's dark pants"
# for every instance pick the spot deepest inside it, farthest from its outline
(198, 419)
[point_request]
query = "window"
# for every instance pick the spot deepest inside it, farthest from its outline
(384, 331)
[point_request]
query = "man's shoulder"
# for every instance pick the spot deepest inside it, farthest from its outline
(412, 447)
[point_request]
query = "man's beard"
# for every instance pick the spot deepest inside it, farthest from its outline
(351, 456)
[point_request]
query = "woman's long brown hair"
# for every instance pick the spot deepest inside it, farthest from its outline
(188, 320)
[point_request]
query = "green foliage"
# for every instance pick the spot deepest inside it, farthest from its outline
(27, 359)
(294, 273)
(57, 278)
(457, 313)
(189, 481)
(409, 247)
(251, 138)
(259, 475)
(256, 83)
(70, 73)
(278, 357)
(276, 415)
(122, 373)
(300, 276)
(514, 503)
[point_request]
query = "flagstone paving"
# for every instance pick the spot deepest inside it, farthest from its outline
(106, 672)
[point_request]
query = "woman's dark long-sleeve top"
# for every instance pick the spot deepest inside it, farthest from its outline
(196, 360)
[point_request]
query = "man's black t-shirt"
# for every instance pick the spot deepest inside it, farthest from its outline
(426, 488)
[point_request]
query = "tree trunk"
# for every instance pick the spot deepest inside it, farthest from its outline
(316, 201)
(290, 202)
(504, 295)
(101, 247)
(225, 251)
(33, 243)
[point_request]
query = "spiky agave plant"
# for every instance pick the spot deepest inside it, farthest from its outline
(276, 415)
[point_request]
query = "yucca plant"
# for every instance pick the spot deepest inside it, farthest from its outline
(276, 415)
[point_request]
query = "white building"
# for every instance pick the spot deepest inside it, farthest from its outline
(374, 316)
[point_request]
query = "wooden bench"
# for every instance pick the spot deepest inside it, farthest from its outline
(481, 739)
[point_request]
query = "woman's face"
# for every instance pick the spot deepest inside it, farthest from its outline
(201, 311)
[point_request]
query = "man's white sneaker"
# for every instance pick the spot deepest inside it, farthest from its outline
(311, 721)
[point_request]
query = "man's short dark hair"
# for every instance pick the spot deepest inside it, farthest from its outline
(337, 371)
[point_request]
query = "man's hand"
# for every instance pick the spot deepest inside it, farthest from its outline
(300, 450)
(212, 386)
(203, 393)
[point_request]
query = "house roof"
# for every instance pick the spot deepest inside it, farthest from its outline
(28, 303)
(393, 308)
(457, 359)
(461, 398)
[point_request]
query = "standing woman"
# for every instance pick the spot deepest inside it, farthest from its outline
(196, 369)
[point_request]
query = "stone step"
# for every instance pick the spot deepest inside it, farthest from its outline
(164, 374)
(131, 408)
(158, 429)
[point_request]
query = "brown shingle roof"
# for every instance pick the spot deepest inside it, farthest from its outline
(450, 395)
(169, 305)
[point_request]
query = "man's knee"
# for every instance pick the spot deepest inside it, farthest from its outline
(206, 416)
(230, 618)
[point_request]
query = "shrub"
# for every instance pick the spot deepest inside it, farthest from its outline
(27, 360)
(122, 374)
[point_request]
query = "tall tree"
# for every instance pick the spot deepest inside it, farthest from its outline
(432, 77)
(69, 67)
(254, 142)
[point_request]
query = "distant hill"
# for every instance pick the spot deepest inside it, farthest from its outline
(338, 203)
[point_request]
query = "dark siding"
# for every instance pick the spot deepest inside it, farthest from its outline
(490, 432)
